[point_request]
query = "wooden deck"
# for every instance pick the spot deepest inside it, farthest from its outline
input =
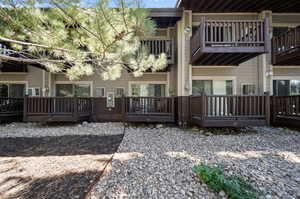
(127, 109)
(159, 46)
(11, 109)
(286, 111)
(229, 111)
(227, 6)
(229, 42)
(286, 48)
(149, 109)
(57, 109)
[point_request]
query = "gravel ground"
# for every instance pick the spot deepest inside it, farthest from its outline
(157, 163)
(56, 161)
(59, 129)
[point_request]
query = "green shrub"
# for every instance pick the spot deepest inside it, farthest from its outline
(234, 186)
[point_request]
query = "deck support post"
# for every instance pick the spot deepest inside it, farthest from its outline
(123, 108)
(25, 108)
(268, 108)
(75, 104)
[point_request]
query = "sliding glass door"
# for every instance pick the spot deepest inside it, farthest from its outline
(148, 90)
(12, 90)
(71, 90)
(286, 87)
(212, 87)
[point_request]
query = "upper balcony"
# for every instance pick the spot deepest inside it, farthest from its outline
(159, 46)
(286, 48)
(229, 42)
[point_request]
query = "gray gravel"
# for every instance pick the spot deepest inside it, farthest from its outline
(157, 163)
(43, 130)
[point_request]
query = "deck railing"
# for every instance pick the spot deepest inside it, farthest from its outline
(286, 42)
(159, 46)
(11, 105)
(229, 33)
(286, 106)
(229, 106)
(57, 105)
(149, 105)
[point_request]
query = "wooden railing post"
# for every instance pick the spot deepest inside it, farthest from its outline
(202, 33)
(268, 108)
(25, 108)
(123, 108)
(75, 105)
(267, 34)
(203, 105)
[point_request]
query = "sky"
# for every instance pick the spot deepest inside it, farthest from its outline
(159, 3)
(145, 3)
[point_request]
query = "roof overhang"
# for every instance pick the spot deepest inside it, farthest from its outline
(166, 17)
(220, 6)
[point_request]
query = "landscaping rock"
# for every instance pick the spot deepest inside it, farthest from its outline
(157, 163)
(59, 129)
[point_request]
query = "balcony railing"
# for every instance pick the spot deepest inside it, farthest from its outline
(229, 33)
(230, 36)
(159, 46)
(285, 45)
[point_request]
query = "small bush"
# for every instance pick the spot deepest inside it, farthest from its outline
(234, 186)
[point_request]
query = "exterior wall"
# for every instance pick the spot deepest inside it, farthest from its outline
(246, 73)
(110, 85)
(249, 72)
(33, 78)
(286, 20)
(287, 72)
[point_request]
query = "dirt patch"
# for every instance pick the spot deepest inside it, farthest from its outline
(53, 167)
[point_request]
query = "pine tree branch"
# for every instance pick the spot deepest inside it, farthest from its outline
(32, 44)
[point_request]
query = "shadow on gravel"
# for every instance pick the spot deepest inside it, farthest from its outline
(63, 167)
(67, 186)
(59, 146)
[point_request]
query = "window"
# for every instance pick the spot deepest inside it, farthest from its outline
(119, 92)
(286, 87)
(100, 92)
(295, 87)
(82, 90)
(277, 31)
(3, 90)
(148, 90)
(33, 91)
(70, 90)
(12, 90)
(248, 89)
(212, 87)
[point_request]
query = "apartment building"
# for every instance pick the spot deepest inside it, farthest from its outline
(213, 47)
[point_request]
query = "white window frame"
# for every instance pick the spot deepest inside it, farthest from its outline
(115, 90)
(16, 82)
(148, 82)
(33, 88)
(223, 78)
(104, 92)
(74, 83)
(251, 84)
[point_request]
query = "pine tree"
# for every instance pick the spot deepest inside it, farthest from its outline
(65, 37)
